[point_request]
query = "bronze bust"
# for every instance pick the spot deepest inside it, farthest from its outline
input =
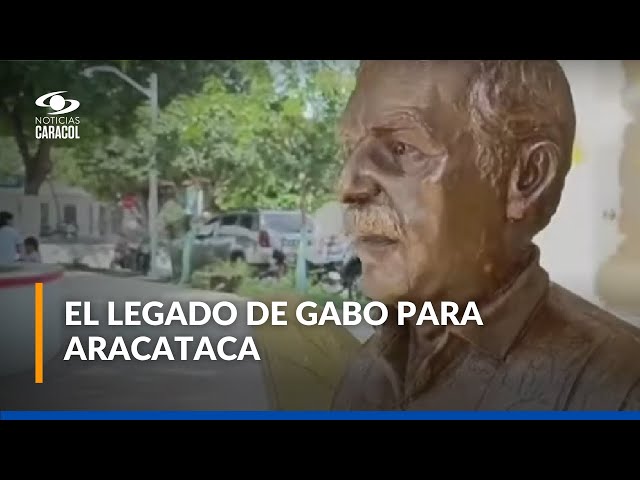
(452, 168)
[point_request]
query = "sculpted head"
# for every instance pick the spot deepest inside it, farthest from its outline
(452, 168)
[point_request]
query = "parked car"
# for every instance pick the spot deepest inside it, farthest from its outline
(257, 237)
(256, 234)
(261, 237)
(206, 249)
(323, 249)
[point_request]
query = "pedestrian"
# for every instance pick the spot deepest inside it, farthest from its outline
(32, 250)
(10, 240)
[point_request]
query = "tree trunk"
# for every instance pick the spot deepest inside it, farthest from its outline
(213, 205)
(38, 166)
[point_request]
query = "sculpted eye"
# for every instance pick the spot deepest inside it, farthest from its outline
(399, 148)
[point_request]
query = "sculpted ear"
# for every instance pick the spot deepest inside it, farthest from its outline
(533, 172)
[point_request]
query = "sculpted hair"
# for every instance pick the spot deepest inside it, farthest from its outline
(515, 101)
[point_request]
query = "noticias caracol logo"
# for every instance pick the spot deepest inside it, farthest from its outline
(56, 125)
(57, 103)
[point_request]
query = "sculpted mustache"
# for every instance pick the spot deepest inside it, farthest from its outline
(373, 220)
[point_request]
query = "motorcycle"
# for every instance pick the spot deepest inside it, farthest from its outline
(127, 256)
(324, 261)
(351, 275)
(327, 275)
(123, 256)
(143, 257)
(277, 269)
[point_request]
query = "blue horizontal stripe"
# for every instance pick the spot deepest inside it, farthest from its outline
(322, 415)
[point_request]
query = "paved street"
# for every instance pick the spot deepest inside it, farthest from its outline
(160, 384)
(121, 384)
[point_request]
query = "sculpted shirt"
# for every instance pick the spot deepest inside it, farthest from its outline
(540, 348)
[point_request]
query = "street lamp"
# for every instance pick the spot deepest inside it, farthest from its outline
(152, 94)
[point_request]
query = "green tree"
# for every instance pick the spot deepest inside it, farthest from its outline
(261, 146)
(257, 142)
(107, 103)
(10, 160)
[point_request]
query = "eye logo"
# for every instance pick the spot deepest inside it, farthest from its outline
(57, 103)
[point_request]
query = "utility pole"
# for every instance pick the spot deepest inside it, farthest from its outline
(152, 94)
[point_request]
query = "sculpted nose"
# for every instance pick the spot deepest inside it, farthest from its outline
(357, 185)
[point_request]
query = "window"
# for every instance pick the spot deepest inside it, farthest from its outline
(284, 222)
(102, 221)
(229, 220)
(44, 215)
(70, 215)
(45, 225)
(248, 221)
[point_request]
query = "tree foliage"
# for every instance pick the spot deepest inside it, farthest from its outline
(262, 133)
(106, 101)
(10, 160)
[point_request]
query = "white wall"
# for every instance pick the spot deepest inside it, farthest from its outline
(580, 238)
(26, 209)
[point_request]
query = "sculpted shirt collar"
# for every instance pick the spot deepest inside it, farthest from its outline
(506, 316)
(503, 318)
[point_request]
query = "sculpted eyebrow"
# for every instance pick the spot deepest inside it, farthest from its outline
(404, 122)
(409, 119)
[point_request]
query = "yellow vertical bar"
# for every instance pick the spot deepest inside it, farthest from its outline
(39, 333)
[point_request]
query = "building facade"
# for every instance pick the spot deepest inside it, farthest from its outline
(59, 205)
